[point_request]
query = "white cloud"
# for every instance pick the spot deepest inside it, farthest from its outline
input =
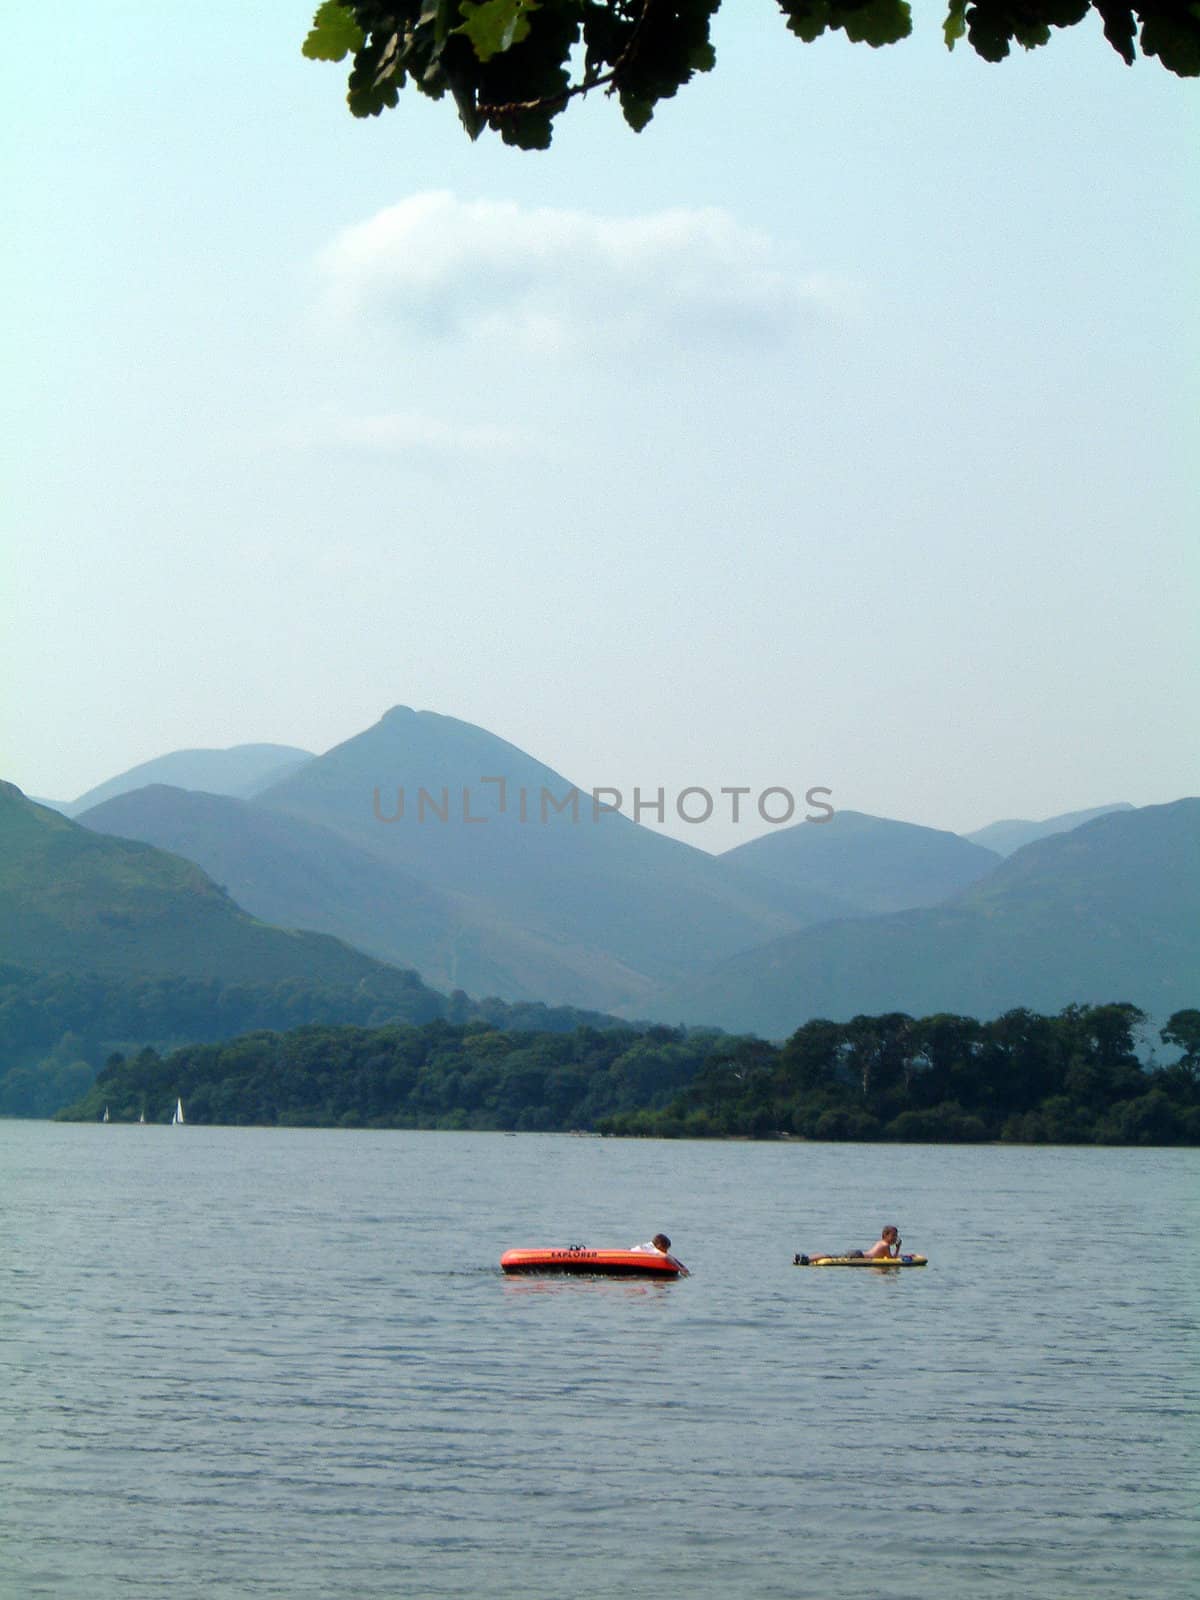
(558, 282)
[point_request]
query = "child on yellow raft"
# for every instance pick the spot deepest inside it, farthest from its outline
(885, 1248)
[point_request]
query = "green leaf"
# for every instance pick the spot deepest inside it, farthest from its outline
(464, 99)
(637, 110)
(377, 76)
(955, 24)
(873, 22)
(877, 23)
(334, 35)
(1175, 40)
(437, 14)
(807, 19)
(495, 25)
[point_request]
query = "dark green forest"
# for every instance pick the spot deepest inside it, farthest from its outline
(58, 1028)
(1075, 1078)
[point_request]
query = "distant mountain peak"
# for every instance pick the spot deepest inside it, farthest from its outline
(240, 770)
(847, 820)
(476, 817)
(425, 742)
(870, 864)
(407, 718)
(1013, 833)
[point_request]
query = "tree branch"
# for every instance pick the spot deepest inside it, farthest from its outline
(549, 102)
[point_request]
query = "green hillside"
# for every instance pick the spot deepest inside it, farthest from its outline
(74, 900)
(108, 945)
(1105, 911)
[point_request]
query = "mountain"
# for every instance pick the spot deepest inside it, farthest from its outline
(299, 874)
(1109, 911)
(861, 864)
(242, 770)
(621, 906)
(1005, 837)
(77, 901)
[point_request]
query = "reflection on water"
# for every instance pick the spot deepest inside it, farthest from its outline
(528, 1283)
(252, 1363)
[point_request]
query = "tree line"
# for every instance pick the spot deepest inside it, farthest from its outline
(58, 1028)
(1077, 1077)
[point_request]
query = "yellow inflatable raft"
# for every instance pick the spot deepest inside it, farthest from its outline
(860, 1261)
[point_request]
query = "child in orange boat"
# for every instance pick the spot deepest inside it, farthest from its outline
(660, 1245)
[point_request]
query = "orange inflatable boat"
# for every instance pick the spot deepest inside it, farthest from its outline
(578, 1259)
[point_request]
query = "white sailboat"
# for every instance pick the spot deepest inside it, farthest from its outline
(142, 1118)
(177, 1114)
(104, 1118)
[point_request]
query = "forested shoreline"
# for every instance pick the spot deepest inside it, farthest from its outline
(57, 1029)
(1079, 1077)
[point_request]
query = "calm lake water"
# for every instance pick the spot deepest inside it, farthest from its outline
(242, 1362)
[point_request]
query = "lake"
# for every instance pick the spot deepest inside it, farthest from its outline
(251, 1362)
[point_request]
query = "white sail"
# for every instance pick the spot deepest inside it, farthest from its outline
(177, 1114)
(104, 1118)
(142, 1118)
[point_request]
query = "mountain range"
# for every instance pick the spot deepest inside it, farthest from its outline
(524, 900)
(429, 843)
(1105, 912)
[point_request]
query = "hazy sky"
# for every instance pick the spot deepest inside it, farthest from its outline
(839, 429)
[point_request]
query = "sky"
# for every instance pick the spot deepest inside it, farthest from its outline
(839, 429)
